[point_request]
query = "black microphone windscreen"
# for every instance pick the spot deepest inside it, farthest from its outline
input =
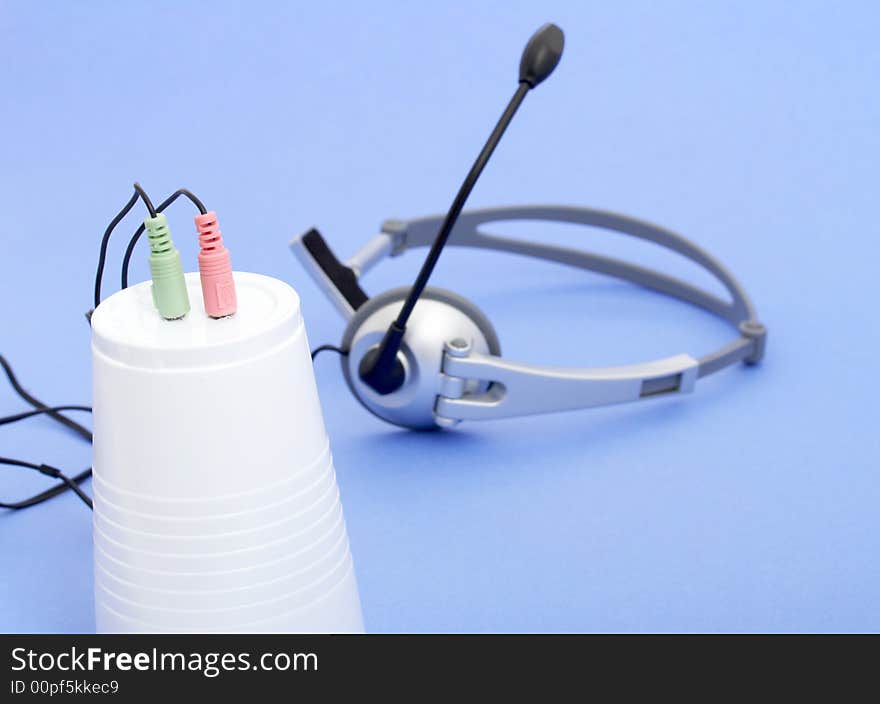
(541, 55)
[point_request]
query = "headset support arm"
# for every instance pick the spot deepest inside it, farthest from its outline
(521, 389)
(518, 389)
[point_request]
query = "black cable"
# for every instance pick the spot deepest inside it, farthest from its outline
(50, 493)
(144, 197)
(49, 471)
(6, 420)
(192, 196)
(328, 348)
(78, 428)
(138, 193)
(63, 420)
(126, 260)
(105, 241)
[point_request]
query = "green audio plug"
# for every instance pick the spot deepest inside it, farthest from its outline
(169, 287)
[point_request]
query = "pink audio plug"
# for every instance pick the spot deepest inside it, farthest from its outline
(215, 268)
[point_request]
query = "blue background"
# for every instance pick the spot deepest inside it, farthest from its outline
(751, 127)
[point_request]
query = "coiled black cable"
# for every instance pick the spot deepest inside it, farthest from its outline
(49, 471)
(55, 414)
(105, 241)
(15, 417)
(78, 428)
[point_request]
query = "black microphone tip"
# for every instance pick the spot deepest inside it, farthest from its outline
(541, 54)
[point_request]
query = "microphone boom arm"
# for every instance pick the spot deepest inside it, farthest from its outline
(380, 369)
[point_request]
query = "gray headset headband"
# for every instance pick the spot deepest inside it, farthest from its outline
(520, 389)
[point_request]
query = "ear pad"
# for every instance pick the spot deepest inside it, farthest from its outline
(438, 317)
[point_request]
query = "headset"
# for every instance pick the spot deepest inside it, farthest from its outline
(423, 357)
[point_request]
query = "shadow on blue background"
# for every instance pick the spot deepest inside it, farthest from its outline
(750, 127)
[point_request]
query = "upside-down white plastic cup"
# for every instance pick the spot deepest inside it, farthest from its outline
(216, 504)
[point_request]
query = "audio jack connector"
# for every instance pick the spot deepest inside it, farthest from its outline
(215, 268)
(169, 287)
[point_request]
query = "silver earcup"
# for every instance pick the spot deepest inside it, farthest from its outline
(439, 316)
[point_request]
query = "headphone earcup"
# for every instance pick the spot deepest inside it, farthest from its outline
(438, 317)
